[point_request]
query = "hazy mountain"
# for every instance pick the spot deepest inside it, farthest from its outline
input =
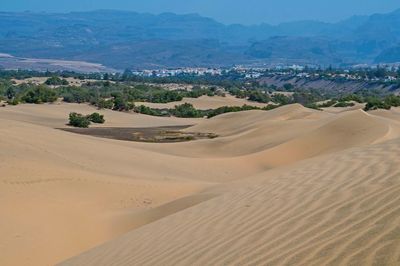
(128, 39)
(390, 55)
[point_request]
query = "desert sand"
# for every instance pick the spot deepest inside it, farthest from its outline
(290, 186)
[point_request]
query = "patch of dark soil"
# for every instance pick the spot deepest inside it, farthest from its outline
(150, 134)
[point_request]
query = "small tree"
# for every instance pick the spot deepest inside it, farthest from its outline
(96, 118)
(78, 120)
(56, 81)
(120, 104)
(104, 104)
(185, 110)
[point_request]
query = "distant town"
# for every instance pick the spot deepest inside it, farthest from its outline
(385, 73)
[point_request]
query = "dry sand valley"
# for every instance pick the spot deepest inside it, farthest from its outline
(290, 186)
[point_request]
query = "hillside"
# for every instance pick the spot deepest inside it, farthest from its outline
(335, 87)
(121, 40)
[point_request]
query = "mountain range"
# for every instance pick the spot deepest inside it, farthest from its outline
(122, 39)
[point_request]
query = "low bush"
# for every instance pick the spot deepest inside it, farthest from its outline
(230, 109)
(79, 120)
(96, 118)
(374, 103)
(151, 111)
(56, 81)
(186, 110)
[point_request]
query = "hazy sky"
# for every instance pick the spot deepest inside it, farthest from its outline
(227, 11)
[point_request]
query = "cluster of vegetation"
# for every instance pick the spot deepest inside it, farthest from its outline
(104, 94)
(230, 109)
(336, 103)
(371, 102)
(39, 94)
(25, 74)
(118, 96)
(120, 91)
(84, 121)
(260, 95)
(187, 110)
(387, 103)
(27, 93)
(56, 81)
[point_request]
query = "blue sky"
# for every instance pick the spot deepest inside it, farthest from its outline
(227, 11)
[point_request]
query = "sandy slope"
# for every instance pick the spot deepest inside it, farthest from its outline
(393, 113)
(56, 116)
(61, 194)
(289, 186)
(342, 209)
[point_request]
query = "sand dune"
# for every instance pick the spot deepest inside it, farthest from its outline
(393, 113)
(244, 133)
(337, 210)
(285, 135)
(291, 186)
(56, 116)
(61, 194)
(232, 123)
(351, 129)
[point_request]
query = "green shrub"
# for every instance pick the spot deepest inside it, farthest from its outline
(56, 81)
(39, 94)
(185, 110)
(96, 118)
(120, 104)
(288, 87)
(74, 94)
(104, 104)
(271, 107)
(281, 99)
(230, 109)
(151, 111)
(78, 120)
(258, 96)
(375, 103)
(392, 100)
(351, 97)
(312, 106)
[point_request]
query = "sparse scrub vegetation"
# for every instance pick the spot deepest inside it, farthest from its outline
(39, 94)
(84, 121)
(229, 109)
(96, 118)
(78, 120)
(56, 81)
(120, 91)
